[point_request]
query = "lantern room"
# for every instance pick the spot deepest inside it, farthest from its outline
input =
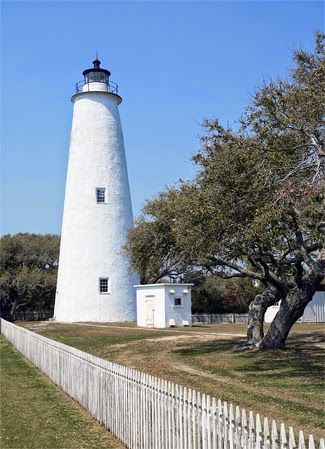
(96, 79)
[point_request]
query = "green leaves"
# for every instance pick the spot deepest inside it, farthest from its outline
(257, 203)
(29, 268)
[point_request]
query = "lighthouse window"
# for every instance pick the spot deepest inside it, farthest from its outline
(100, 195)
(103, 285)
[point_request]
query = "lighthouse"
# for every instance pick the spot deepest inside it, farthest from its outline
(95, 280)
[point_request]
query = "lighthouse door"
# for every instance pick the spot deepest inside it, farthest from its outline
(150, 313)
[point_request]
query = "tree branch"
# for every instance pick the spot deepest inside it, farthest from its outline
(239, 269)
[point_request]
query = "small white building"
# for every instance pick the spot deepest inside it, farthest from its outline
(314, 311)
(164, 305)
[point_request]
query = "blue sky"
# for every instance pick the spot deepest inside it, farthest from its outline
(175, 62)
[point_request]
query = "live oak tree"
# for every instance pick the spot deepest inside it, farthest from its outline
(152, 245)
(28, 272)
(211, 294)
(256, 206)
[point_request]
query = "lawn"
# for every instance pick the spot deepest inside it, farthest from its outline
(285, 385)
(35, 414)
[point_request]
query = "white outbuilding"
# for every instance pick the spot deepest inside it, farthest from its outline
(164, 305)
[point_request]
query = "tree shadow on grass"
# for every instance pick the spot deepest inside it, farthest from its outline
(303, 358)
(208, 348)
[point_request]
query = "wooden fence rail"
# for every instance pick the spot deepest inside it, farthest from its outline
(30, 315)
(208, 318)
(146, 412)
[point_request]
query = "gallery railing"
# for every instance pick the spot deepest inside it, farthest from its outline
(112, 87)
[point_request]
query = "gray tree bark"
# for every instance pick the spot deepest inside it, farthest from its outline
(257, 309)
(12, 313)
(292, 307)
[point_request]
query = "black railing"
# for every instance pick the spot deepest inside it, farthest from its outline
(112, 87)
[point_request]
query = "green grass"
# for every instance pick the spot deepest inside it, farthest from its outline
(35, 414)
(88, 338)
(288, 385)
(285, 385)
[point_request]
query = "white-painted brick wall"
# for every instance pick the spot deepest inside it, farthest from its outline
(93, 235)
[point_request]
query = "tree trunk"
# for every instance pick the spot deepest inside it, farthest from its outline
(257, 309)
(12, 313)
(292, 307)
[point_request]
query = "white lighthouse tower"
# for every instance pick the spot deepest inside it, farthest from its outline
(95, 282)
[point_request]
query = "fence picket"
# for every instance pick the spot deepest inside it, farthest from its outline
(266, 432)
(141, 408)
(244, 438)
(275, 437)
(231, 427)
(198, 420)
(238, 428)
(194, 427)
(208, 399)
(258, 430)
(311, 443)
(169, 411)
(225, 426)
(160, 420)
(283, 436)
(251, 431)
(292, 443)
(178, 395)
(173, 426)
(185, 418)
(301, 440)
(204, 423)
(189, 429)
(214, 424)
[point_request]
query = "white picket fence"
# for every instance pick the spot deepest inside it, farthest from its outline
(146, 412)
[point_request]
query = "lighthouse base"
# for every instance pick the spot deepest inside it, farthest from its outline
(84, 305)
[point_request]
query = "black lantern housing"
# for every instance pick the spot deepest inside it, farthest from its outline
(96, 74)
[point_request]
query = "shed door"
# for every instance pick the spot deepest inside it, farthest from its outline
(150, 311)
